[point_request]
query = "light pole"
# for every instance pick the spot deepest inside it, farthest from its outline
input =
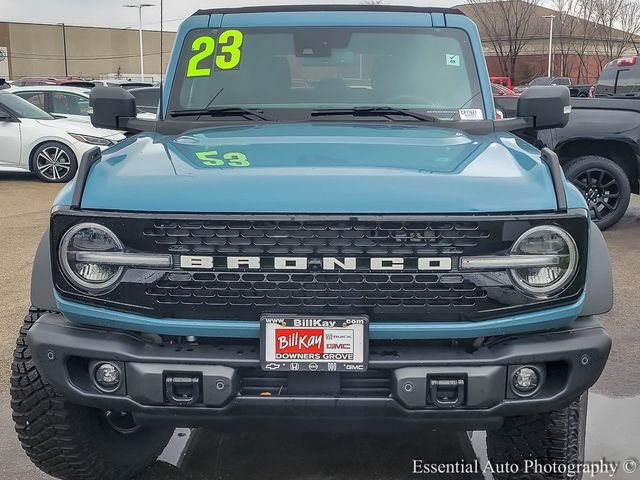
(140, 6)
(64, 47)
(550, 17)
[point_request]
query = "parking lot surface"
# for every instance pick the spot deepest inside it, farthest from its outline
(613, 422)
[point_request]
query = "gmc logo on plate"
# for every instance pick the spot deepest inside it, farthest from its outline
(352, 264)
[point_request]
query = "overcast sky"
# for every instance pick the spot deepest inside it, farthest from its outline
(111, 13)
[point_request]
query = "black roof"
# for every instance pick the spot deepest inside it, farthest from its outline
(328, 8)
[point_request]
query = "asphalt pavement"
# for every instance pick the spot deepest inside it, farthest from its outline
(613, 431)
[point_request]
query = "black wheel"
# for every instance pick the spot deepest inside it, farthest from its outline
(604, 185)
(69, 441)
(54, 162)
(555, 440)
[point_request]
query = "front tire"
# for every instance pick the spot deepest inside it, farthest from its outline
(554, 438)
(69, 441)
(604, 185)
(54, 162)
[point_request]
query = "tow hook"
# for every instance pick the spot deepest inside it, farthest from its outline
(446, 392)
(182, 389)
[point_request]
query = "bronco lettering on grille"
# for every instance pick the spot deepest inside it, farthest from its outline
(433, 264)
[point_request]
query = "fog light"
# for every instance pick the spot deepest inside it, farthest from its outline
(107, 377)
(525, 381)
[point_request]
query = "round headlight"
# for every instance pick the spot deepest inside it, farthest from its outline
(546, 280)
(86, 238)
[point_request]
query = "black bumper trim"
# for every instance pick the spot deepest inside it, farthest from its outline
(583, 350)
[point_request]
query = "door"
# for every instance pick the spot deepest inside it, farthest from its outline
(10, 141)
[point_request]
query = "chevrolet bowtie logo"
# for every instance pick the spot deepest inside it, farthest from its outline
(427, 264)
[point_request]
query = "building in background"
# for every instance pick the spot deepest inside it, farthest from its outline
(515, 35)
(30, 49)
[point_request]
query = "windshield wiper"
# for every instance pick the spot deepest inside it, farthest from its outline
(374, 111)
(222, 112)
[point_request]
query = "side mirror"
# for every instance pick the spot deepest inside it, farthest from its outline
(548, 106)
(111, 107)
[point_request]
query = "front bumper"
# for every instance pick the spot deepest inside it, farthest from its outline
(226, 387)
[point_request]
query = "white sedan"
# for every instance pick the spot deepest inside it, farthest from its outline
(63, 101)
(59, 100)
(33, 140)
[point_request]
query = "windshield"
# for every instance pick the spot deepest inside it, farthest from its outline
(22, 108)
(289, 71)
(540, 81)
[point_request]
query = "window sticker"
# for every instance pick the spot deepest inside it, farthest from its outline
(227, 49)
(471, 114)
(212, 158)
(453, 60)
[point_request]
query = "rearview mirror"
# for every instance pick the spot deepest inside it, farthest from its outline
(548, 106)
(110, 107)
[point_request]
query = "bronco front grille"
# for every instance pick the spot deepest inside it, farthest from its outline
(406, 294)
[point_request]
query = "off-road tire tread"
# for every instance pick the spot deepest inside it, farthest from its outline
(554, 437)
(61, 438)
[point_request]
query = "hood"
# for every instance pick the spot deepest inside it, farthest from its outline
(74, 126)
(321, 168)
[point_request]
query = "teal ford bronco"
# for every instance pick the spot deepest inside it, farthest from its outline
(325, 227)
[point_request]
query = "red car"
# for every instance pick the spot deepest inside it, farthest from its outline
(501, 91)
(504, 81)
(67, 81)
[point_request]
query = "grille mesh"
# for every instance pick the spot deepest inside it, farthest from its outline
(370, 290)
(324, 238)
(317, 290)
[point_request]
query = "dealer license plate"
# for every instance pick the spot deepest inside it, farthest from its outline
(314, 343)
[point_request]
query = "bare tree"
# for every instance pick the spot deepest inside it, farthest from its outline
(567, 25)
(618, 24)
(507, 25)
(600, 29)
(576, 30)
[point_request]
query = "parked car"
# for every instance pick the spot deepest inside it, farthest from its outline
(500, 91)
(504, 81)
(544, 81)
(68, 81)
(127, 84)
(147, 99)
(231, 270)
(583, 91)
(599, 150)
(33, 140)
(620, 77)
(69, 102)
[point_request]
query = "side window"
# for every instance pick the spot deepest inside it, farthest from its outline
(628, 81)
(562, 81)
(70, 104)
(37, 98)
